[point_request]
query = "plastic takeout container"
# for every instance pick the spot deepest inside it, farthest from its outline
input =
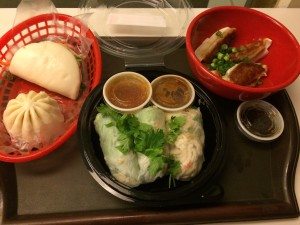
(136, 30)
(259, 121)
(201, 189)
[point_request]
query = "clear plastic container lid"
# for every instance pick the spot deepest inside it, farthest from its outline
(137, 30)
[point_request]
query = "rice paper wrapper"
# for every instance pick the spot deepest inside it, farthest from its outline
(128, 168)
(188, 147)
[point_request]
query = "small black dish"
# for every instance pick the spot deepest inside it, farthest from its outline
(201, 189)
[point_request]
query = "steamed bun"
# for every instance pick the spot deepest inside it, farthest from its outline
(33, 120)
(49, 65)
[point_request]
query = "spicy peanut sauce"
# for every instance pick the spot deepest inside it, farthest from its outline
(171, 92)
(127, 91)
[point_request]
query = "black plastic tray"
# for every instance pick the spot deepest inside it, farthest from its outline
(258, 179)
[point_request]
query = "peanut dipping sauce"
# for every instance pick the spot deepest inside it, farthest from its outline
(127, 91)
(171, 92)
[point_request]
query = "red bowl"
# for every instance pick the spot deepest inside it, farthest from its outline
(33, 30)
(283, 60)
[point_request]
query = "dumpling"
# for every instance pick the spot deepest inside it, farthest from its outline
(33, 120)
(246, 73)
(210, 46)
(252, 52)
(188, 147)
(49, 65)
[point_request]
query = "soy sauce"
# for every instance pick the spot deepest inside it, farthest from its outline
(259, 121)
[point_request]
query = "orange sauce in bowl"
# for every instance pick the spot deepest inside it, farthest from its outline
(127, 91)
(171, 92)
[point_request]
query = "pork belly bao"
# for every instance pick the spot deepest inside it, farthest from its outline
(142, 147)
(234, 64)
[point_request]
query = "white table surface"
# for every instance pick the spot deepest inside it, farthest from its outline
(290, 17)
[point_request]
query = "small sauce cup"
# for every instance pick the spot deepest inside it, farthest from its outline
(259, 121)
(127, 92)
(172, 93)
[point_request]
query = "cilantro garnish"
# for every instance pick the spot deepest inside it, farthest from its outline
(175, 125)
(126, 124)
(156, 164)
(143, 138)
(148, 139)
(174, 166)
(108, 112)
(138, 137)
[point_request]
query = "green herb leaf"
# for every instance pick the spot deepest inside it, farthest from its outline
(156, 165)
(173, 166)
(109, 112)
(110, 124)
(149, 139)
(125, 143)
(151, 143)
(138, 137)
(175, 125)
(122, 122)
(127, 124)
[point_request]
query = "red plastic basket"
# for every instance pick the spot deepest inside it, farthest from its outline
(33, 30)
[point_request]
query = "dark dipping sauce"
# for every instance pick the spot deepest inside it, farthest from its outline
(171, 92)
(259, 121)
(127, 91)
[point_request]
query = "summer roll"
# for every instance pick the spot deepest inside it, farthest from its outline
(155, 118)
(123, 167)
(132, 167)
(188, 146)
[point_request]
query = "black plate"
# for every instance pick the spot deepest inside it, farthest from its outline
(158, 193)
